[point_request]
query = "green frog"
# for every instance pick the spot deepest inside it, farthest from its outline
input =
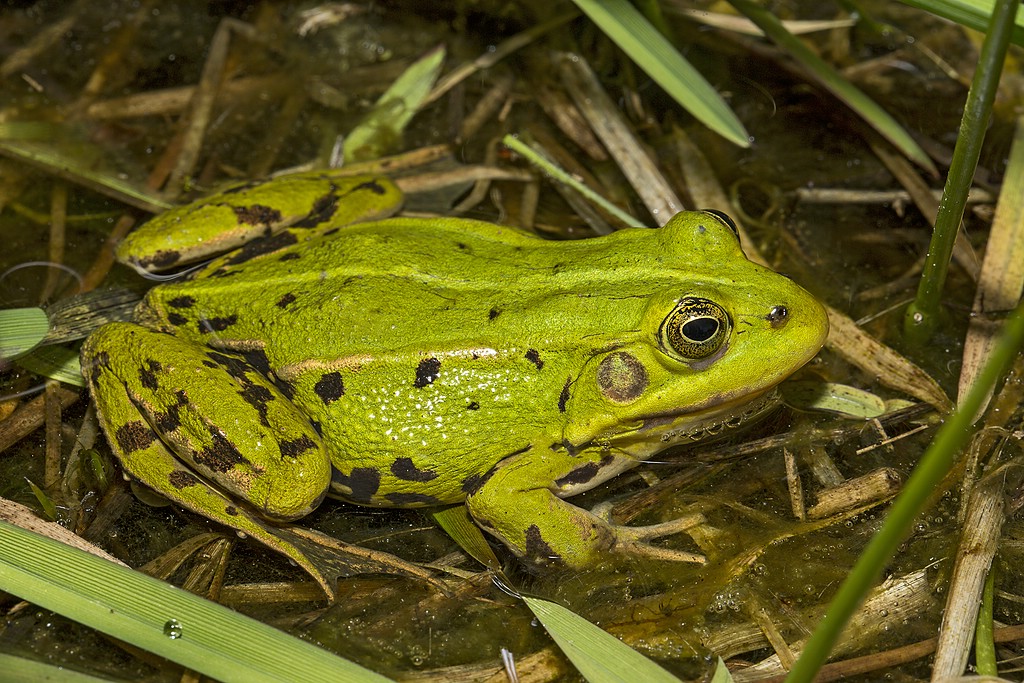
(408, 362)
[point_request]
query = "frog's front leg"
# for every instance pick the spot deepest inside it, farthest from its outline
(520, 502)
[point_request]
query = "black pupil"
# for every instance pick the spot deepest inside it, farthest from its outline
(700, 329)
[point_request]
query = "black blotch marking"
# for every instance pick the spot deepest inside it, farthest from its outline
(493, 313)
(207, 325)
(290, 256)
(426, 372)
(258, 397)
(537, 548)
(176, 319)
(180, 479)
(134, 436)
(286, 300)
(165, 258)
(259, 247)
(235, 367)
(330, 387)
(473, 405)
(533, 355)
(564, 396)
(410, 499)
(322, 211)
(297, 446)
(181, 302)
(148, 374)
(474, 482)
(580, 475)
(231, 511)
(221, 455)
(257, 214)
(371, 186)
(405, 469)
(257, 360)
(210, 364)
(170, 420)
(363, 483)
(285, 387)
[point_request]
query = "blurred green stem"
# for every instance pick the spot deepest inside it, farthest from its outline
(948, 443)
(922, 316)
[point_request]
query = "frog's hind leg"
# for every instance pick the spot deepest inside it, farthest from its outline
(519, 503)
(157, 397)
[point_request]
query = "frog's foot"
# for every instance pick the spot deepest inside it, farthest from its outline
(518, 503)
(631, 540)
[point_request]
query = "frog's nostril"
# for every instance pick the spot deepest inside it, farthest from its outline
(778, 316)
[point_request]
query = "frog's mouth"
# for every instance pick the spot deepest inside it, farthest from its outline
(656, 433)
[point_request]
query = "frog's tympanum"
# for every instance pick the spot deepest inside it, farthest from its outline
(405, 362)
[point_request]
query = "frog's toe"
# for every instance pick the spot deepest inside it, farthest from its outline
(630, 540)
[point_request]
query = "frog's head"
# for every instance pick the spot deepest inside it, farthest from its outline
(716, 335)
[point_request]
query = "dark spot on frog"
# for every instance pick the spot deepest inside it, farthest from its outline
(164, 258)
(462, 246)
(621, 377)
(472, 405)
(210, 364)
(266, 245)
(580, 475)
(371, 186)
(473, 482)
(181, 302)
(563, 398)
(411, 499)
(180, 479)
(295, 447)
(176, 319)
(230, 511)
(493, 313)
(285, 300)
(537, 549)
(207, 325)
(286, 388)
(257, 214)
(257, 359)
(148, 374)
(134, 436)
(361, 484)
(258, 397)
(235, 367)
(221, 455)
(426, 372)
(330, 387)
(323, 209)
(533, 356)
(405, 469)
(170, 420)
(290, 256)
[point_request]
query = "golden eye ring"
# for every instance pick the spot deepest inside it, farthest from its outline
(695, 329)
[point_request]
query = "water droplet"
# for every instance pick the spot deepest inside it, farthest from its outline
(173, 629)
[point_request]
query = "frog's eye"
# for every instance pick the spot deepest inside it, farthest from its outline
(724, 219)
(695, 329)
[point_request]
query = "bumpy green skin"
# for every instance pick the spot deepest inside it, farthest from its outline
(436, 361)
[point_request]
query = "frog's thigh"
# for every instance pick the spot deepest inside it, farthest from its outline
(172, 409)
(517, 504)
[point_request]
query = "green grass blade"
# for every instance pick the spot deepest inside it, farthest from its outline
(382, 128)
(18, 670)
(971, 13)
(937, 460)
(621, 22)
(56, 362)
(597, 654)
(831, 79)
(20, 330)
(160, 618)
